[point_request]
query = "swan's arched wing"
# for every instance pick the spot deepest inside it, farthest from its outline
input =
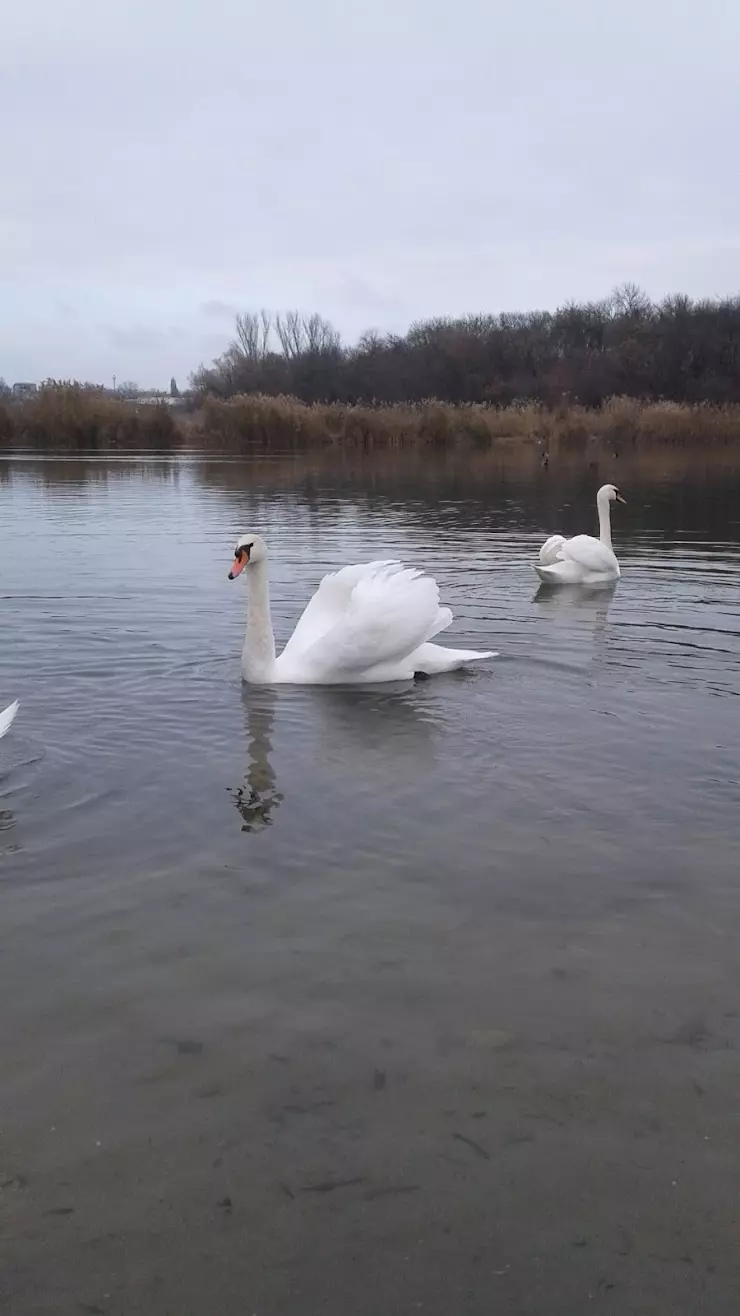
(390, 613)
(588, 553)
(329, 603)
(550, 551)
(7, 717)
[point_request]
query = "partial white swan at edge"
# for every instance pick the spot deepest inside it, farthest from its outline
(7, 718)
(366, 623)
(582, 560)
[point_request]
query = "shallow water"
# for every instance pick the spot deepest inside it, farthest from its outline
(468, 946)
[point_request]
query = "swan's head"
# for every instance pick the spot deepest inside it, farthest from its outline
(611, 493)
(249, 550)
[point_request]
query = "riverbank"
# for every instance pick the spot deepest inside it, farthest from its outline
(75, 418)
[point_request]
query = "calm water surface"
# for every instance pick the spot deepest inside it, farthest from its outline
(464, 952)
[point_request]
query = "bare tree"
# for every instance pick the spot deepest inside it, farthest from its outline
(369, 342)
(629, 299)
(289, 329)
(300, 334)
(320, 335)
(266, 325)
(253, 334)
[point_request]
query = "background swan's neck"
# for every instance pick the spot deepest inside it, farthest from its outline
(605, 524)
(258, 655)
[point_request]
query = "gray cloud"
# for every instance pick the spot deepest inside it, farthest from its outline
(143, 338)
(168, 164)
(216, 310)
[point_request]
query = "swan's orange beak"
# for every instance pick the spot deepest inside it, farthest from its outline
(238, 566)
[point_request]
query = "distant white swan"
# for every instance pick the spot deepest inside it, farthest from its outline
(582, 560)
(7, 718)
(365, 623)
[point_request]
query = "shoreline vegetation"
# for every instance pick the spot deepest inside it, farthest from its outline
(622, 373)
(77, 418)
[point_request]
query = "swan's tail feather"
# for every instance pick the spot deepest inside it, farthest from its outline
(562, 573)
(7, 717)
(473, 655)
(546, 574)
(431, 659)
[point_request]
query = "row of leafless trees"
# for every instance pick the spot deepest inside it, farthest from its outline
(677, 349)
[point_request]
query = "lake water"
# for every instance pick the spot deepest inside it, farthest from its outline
(364, 1002)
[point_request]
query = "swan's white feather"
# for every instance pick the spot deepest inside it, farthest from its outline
(550, 549)
(370, 623)
(7, 718)
(387, 614)
(327, 606)
(590, 554)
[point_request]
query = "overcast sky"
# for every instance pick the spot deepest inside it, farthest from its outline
(166, 162)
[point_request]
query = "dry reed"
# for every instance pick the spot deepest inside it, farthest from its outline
(69, 416)
(254, 421)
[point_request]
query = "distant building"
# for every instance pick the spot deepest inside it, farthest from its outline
(24, 390)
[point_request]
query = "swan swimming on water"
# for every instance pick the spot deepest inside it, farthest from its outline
(366, 623)
(582, 560)
(7, 718)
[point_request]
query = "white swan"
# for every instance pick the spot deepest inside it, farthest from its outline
(365, 623)
(7, 718)
(582, 560)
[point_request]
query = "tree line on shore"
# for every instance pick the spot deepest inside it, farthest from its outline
(677, 349)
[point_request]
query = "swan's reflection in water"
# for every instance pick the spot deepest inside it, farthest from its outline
(582, 609)
(358, 733)
(258, 797)
(9, 778)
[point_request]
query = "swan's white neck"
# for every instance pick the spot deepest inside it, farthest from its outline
(605, 524)
(258, 654)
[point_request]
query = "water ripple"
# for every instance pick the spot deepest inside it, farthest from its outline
(137, 750)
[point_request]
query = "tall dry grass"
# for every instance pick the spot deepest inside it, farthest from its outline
(69, 416)
(252, 421)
